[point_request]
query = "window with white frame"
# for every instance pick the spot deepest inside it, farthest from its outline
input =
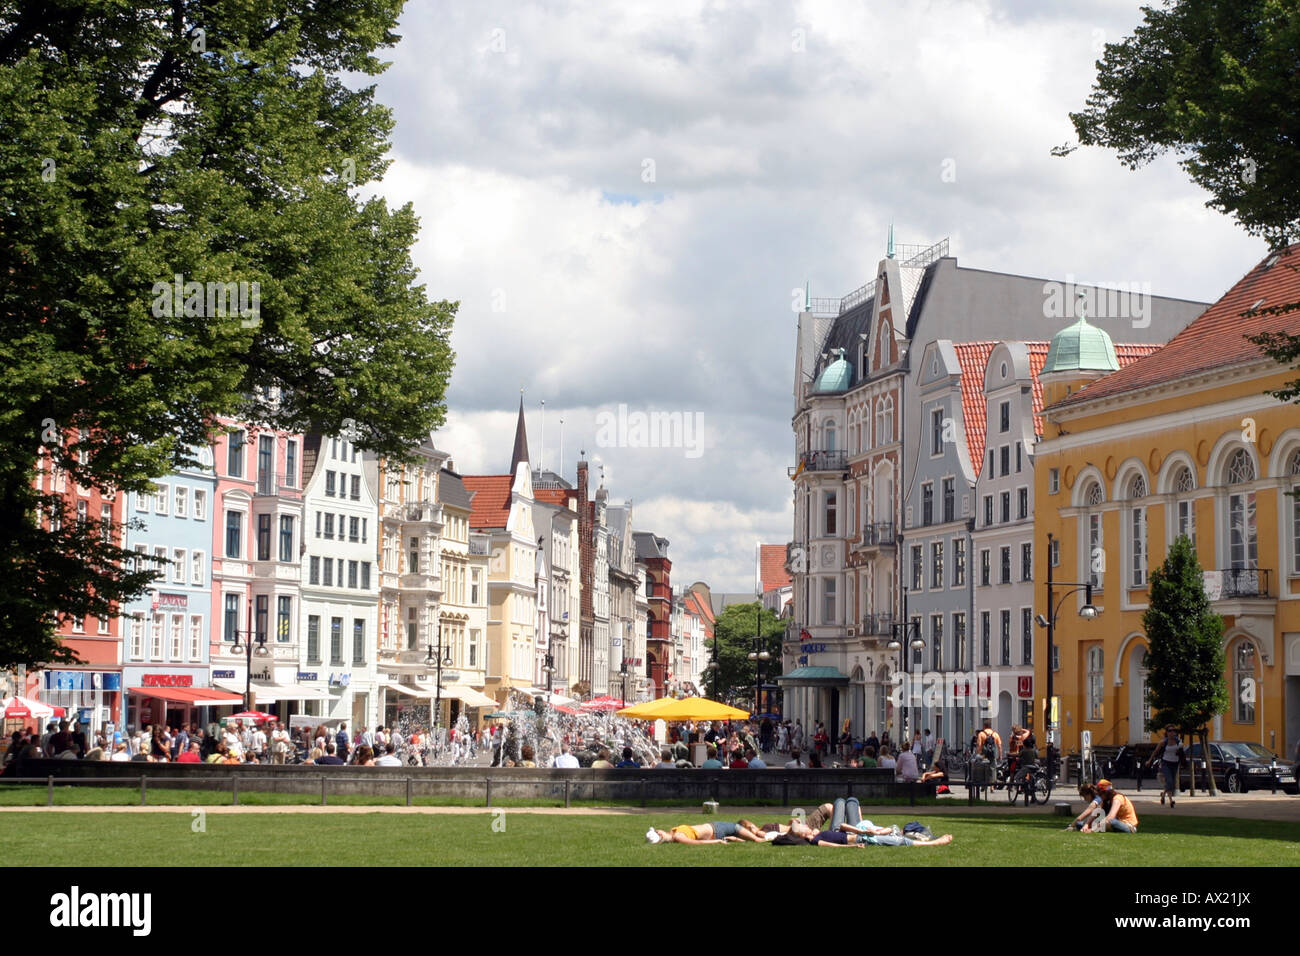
(137, 638)
(828, 601)
(830, 514)
(178, 566)
(156, 638)
(181, 496)
(196, 637)
(885, 421)
(178, 637)
(1095, 676)
(1293, 472)
(1096, 555)
(1243, 545)
(1185, 518)
(200, 504)
(1137, 532)
(1243, 681)
(160, 495)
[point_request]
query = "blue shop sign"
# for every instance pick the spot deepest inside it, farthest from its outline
(306, 675)
(223, 675)
(812, 648)
(83, 680)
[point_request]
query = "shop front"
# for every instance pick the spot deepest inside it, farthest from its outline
(280, 690)
(92, 697)
(173, 695)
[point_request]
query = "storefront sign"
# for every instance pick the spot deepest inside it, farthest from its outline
(172, 600)
(83, 680)
(167, 680)
(306, 675)
(223, 675)
(341, 680)
(1025, 687)
(812, 648)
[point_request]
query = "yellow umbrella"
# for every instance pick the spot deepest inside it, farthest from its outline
(688, 708)
(647, 710)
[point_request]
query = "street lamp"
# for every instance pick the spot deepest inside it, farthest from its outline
(917, 643)
(759, 656)
(437, 657)
(1088, 612)
(247, 647)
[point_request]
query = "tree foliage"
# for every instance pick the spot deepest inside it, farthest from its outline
(1214, 81)
(218, 142)
(734, 633)
(1186, 657)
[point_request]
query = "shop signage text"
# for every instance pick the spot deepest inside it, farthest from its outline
(223, 675)
(167, 680)
(812, 648)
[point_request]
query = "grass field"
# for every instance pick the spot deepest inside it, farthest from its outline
(519, 838)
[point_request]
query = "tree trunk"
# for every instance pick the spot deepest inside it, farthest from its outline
(1205, 749)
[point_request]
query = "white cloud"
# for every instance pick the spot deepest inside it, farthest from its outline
(521, 138)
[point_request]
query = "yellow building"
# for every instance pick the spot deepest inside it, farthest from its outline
(1187, 440)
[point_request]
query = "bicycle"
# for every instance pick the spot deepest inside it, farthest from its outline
(1031, 781)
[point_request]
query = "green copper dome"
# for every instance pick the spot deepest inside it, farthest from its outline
(1081, 347)
(836, 377)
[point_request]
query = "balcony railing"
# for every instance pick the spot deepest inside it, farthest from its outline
(1241, 582)
(826, 460)
(878, 534)
(478, 544)
(424, 511)
(878, 625)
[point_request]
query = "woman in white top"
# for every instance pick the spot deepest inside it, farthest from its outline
(908, 769)
(887, 760)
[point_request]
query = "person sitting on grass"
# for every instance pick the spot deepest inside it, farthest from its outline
(1120, 815)
(1091, 810)
(721, 832)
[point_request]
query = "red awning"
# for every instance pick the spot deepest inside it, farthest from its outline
(201, 696)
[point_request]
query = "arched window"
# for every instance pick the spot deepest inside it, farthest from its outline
(1095, 674)
(885, 421)
(1243, 682)
(1243, 551)
(1096, 556)
(1137, 526)
(1185, 519)
(1240, 468)
(1293, 472)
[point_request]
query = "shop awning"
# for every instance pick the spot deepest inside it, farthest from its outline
(199, 696)
(468, 696)
(814, 675)
(268, 693)
(404, 690)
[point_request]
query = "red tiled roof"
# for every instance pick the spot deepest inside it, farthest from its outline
(1217, 338)
(771, 567)
(490, 507)
(974, 359)
(701, 608)
(557, 496)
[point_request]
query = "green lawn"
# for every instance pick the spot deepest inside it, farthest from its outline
(518, 838)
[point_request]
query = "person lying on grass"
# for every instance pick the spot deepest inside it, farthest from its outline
(802, 833)
(720, 832)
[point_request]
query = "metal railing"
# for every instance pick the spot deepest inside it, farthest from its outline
(878, 624)
(826, 460)
(1244, 582)
(878, 533)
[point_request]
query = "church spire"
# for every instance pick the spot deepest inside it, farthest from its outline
(521, 440)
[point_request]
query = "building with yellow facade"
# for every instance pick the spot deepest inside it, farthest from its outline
(1187, 440)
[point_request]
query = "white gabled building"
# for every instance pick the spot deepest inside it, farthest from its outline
(340, 581)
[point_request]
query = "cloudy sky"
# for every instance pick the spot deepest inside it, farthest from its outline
(623, 196)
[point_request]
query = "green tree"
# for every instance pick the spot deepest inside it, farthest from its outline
(1213, 81)
(218, 142)
(1186, 658)
(734, 633)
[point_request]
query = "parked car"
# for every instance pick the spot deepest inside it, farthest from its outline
(1240, 766)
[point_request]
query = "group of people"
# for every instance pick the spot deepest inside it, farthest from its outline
(835, 825)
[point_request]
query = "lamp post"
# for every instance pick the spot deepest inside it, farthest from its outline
(439, 658)
(1088, 612)
(900, 643)
(759, 656)
(247, 647)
